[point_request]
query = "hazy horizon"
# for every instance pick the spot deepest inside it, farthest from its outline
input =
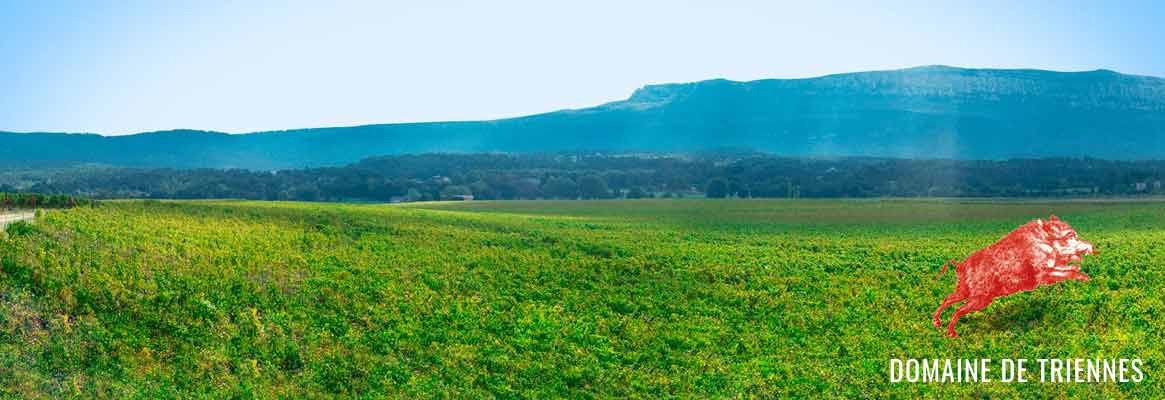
(140, 67)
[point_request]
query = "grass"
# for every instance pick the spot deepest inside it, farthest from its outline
(641, 298)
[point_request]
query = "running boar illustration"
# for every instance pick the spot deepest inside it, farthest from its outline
(1037, 253)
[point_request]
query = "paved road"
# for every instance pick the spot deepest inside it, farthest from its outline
(10, 217)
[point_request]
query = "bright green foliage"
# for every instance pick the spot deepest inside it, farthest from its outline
(645, 298)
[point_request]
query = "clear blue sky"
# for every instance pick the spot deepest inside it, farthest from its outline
(132, 66)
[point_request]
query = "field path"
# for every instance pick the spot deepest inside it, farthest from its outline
(10, 217)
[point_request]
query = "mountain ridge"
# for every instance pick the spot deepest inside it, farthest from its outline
(931, 111)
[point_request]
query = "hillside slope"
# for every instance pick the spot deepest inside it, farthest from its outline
(928, 112)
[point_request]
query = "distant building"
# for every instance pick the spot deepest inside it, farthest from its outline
(461, 197)
(1141, 186)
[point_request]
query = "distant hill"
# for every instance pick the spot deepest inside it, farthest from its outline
(924, 112)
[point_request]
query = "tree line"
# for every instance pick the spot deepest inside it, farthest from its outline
(427, 177)
(9, 201)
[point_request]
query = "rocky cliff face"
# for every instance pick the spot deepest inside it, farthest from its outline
(924, 112)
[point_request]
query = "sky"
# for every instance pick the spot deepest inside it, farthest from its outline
(134, 66)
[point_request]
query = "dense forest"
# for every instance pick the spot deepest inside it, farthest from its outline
(592, 176)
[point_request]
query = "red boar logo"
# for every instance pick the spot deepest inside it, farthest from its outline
(1037, 253)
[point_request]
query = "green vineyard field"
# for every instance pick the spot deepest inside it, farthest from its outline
(548, 299)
